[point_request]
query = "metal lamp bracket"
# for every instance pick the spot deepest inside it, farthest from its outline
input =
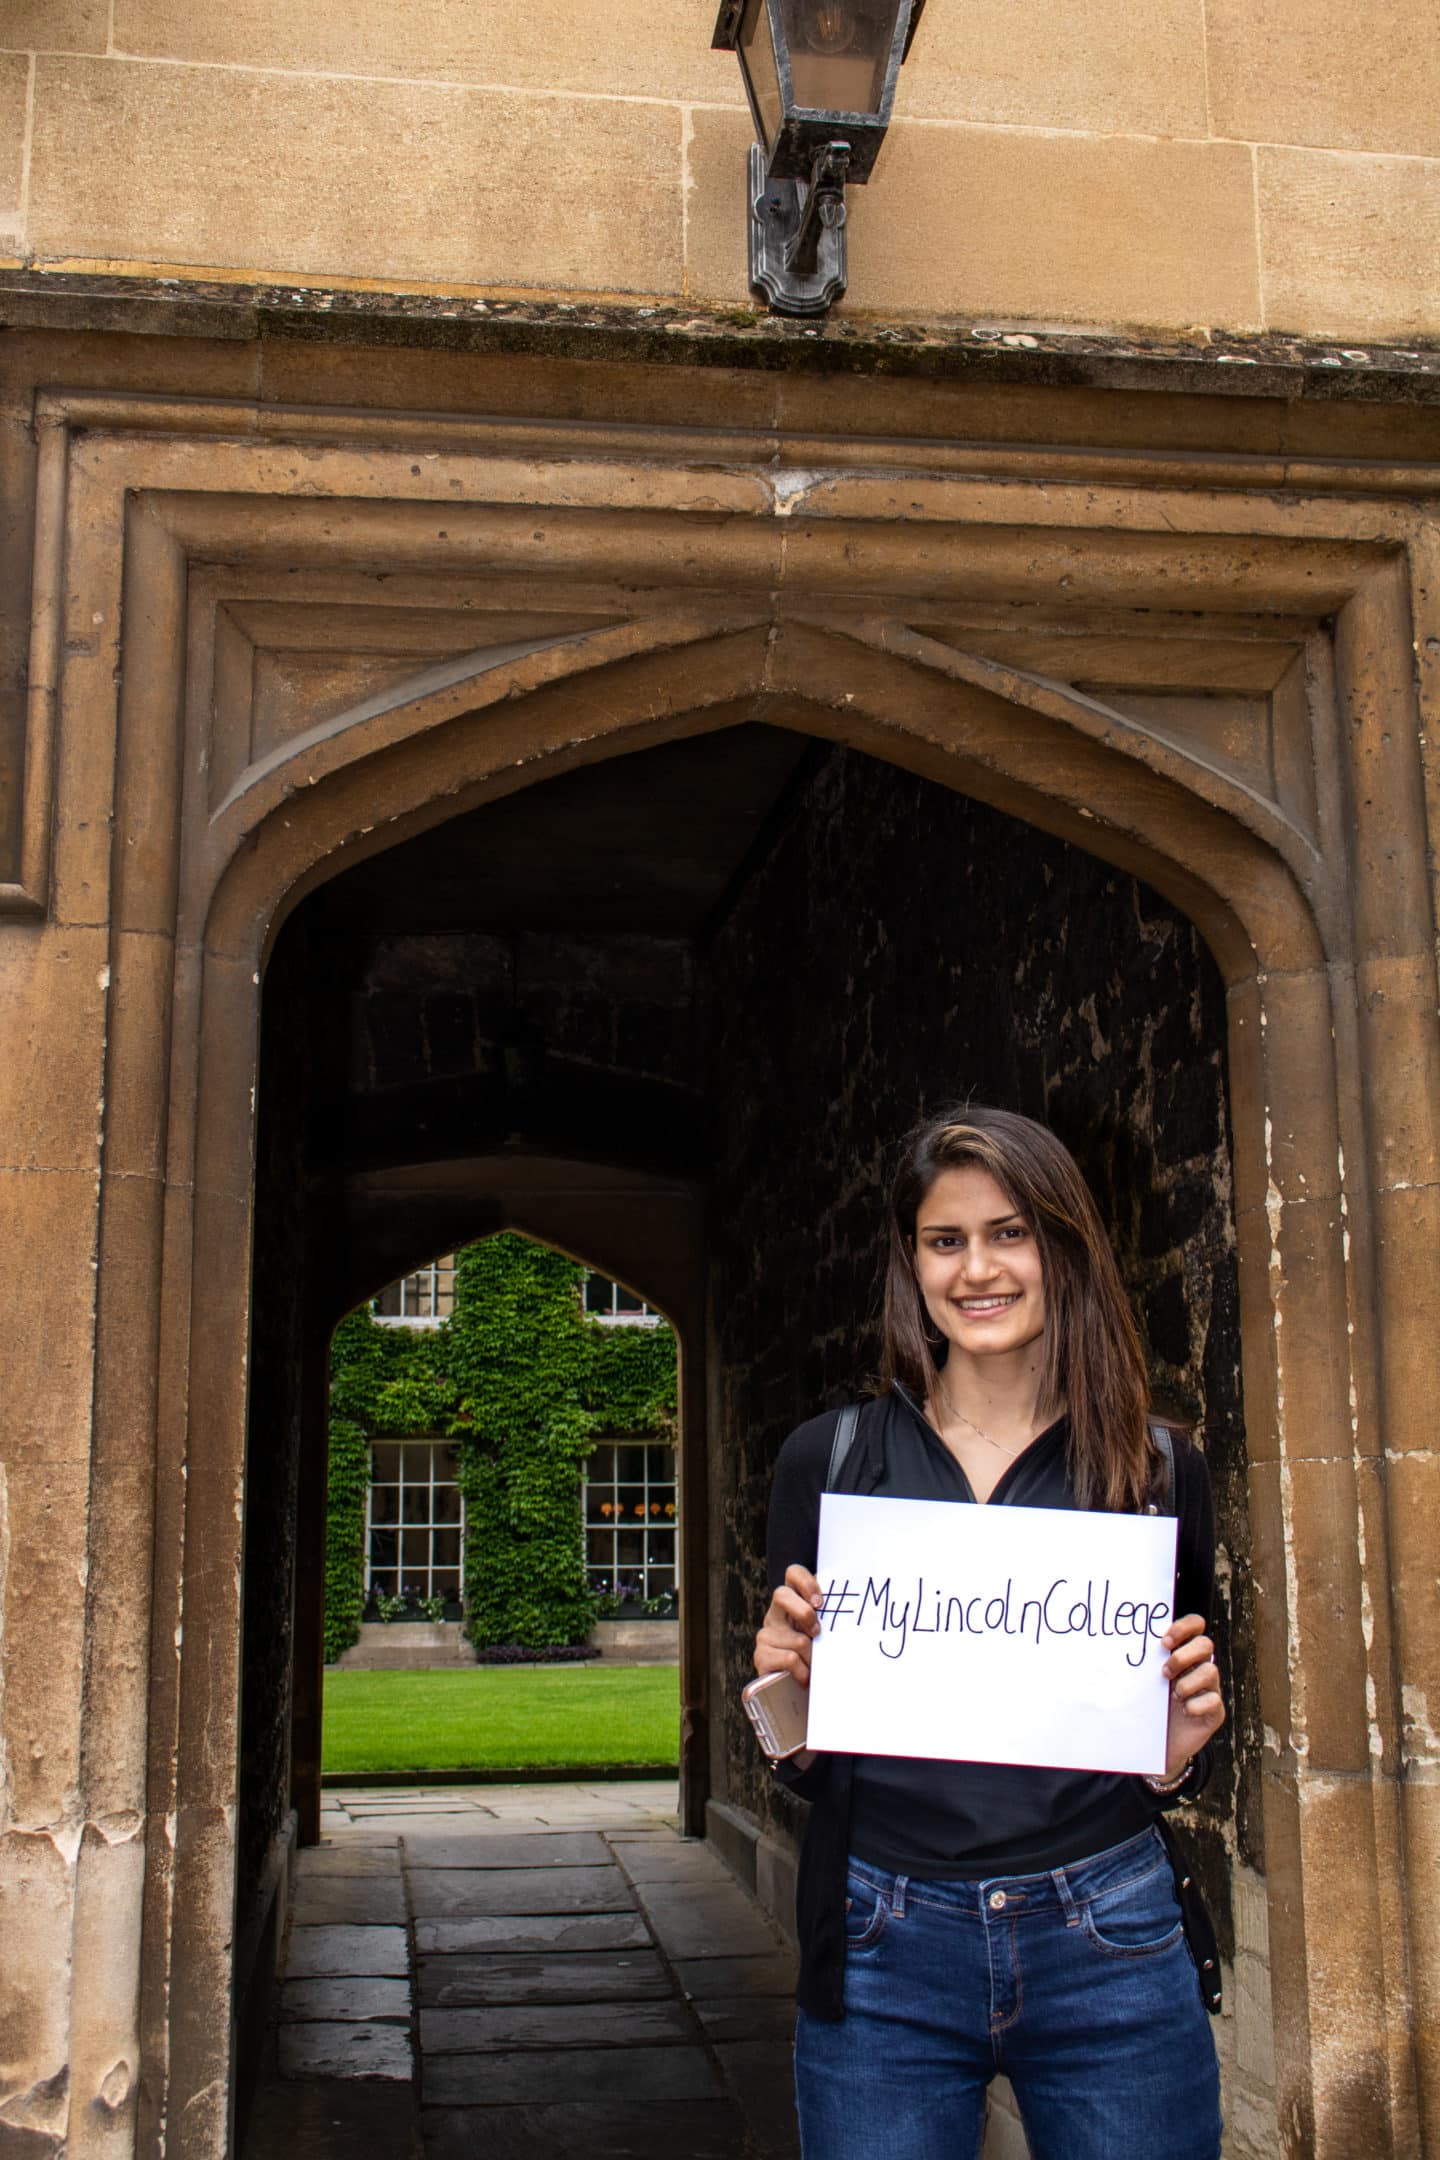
(797, 234)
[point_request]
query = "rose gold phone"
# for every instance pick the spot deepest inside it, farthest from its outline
(778, 1708)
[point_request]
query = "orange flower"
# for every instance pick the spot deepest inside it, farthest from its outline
(640, 1509)
(654, 1507)
(669, 1507)
(606, 1509)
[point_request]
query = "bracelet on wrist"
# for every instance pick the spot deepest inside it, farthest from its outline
(1167, 1787)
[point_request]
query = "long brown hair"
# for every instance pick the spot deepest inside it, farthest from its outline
(1094, 1367)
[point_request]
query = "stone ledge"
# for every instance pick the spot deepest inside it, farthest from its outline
(406, 1646)
(1262, 365)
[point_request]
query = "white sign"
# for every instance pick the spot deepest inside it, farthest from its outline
(992, 1634)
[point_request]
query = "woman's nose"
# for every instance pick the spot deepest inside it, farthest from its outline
(976, 1262)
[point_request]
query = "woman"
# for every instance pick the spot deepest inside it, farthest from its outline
(962, 1920)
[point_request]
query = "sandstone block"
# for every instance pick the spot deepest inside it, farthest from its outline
(1326, 75)
(1326, 1625)
(55, 25)
(1408, 1228)
(41, 1638)
(386, 180)
(14, 92)
(35, 1890)
(631, 48)
(47, 1284)
(1349, 244)
(1403, 1046)
(983, 221)
(1104, 67)
(52, 1022)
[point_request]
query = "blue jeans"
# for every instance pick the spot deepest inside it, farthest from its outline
(1077, 1985)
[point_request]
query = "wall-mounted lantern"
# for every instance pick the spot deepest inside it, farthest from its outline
(820, 76)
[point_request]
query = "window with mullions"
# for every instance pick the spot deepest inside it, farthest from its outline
(606, 1300)
(630, 1504)
(415, 1520)
(422, 1299)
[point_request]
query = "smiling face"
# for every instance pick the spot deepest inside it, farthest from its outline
(978, 1265)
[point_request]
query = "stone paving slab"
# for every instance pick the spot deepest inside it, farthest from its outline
(463, 1893)
(307, 2000)
(761, 2074)
(332, 1952)
(555, 2074)
(698, 1923)
(747, 2017)
(537, 1932)
(345, 2051)
(454, 1983)
(674, 1862)
(357, 1899)
(773, 1973)
(351, 1859)
(631, 2129)
(536, 1848)
(625, 2025)
(394, 1827)
(325, 2119)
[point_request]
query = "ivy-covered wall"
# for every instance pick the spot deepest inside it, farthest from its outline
(526, 1386)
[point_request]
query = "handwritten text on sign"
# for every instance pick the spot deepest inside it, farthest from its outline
(992, 1634)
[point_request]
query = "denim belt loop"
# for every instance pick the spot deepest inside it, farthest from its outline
(1062, 1891)
(897, 1897)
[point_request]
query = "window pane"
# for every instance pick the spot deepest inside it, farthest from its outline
(838, 52)
(447, 1503)
(417, 1504)
(446, 1548)
(662, 1580)
(382, 1581)
(600, 1547)
(758, 54)
(599, 1291)
(385, 1463)
(414, 1552)
(446, 1582)
(661, 1545)
(384, 1503)
(626, 1300)
(630, 1548)
(632, 1463)
(384, 1549)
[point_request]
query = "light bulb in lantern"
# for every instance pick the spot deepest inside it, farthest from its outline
(830, 27)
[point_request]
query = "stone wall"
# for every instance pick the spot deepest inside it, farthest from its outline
(272, 1463)
(1244, 165)
(453, 1040)
(970, 955)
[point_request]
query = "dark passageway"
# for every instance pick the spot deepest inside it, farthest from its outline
(673, 1012)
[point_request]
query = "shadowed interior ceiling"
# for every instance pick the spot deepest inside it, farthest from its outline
(648, 844)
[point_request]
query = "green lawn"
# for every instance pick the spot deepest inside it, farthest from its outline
(500, 1717)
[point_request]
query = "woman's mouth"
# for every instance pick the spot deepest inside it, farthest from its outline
(981, 1307)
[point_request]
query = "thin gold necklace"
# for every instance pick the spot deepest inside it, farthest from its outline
(988, 1438)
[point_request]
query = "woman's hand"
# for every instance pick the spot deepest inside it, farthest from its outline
(1197, 1708)
(791, 1622)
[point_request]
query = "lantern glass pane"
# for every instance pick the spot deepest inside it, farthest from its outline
(757, 57)
(839, 52)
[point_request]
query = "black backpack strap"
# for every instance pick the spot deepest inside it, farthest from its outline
(846, 1427)
(1164, 1443)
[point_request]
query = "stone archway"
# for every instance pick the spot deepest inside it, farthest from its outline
(1068, 637)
